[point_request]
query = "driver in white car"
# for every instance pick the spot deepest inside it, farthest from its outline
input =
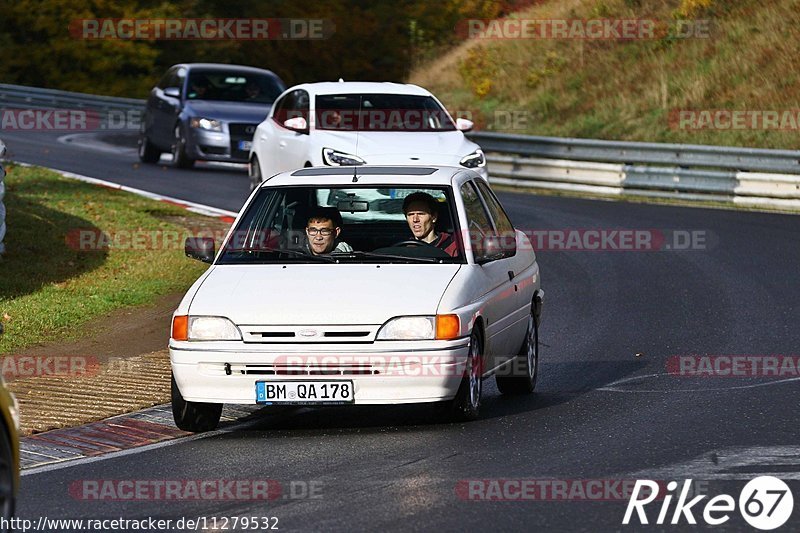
(421, 211)
(322, 230)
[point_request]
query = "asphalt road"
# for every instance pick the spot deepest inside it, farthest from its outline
(607, 407)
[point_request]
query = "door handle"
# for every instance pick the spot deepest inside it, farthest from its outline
(282, 144)
(510, 275)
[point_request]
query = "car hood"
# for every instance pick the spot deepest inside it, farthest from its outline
(400, 147)
(321, 293)
(228, 111)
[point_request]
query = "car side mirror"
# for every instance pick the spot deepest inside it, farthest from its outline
(497, 247)
(200, 248)
(172, 92)
(464, 125)
(298, 124)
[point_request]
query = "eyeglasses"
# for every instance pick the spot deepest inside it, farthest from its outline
(325, 232)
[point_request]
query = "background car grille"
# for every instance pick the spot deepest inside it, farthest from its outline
(239, 132)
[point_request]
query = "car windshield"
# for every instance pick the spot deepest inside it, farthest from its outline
(232, 86)
(380, 112)
(296, 224)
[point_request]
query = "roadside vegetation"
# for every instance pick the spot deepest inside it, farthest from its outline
(75, 252)
(633, 89)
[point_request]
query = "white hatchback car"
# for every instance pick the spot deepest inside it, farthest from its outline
(356, 123)
(386, 319)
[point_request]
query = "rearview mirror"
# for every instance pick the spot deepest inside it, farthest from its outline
(172, 92)
(200, 248)
(353, 206)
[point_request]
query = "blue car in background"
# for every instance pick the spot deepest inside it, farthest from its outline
(206, 111)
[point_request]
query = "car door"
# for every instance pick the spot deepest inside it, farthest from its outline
(498, 300)
(165, 109)
(518, 269)
(291, 144)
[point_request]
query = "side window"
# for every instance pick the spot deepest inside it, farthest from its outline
(504, 227)
(279, 115)
(164, 83)
(478, 224)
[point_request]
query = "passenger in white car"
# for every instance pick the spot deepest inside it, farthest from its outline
(322, 231)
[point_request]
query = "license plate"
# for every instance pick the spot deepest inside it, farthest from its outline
(245, 146)
(305, 392)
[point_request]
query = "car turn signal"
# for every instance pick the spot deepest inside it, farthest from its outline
(180, 328)
(447, 327)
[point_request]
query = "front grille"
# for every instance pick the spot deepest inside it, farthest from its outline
(308, 370)
(239, 132)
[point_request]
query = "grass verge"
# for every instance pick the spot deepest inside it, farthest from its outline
(49, 287)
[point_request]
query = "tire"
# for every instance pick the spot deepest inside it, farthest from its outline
(196, 417)
(467, 403)
(524, 380)
(179, 157)
(255, 173)
(148, 153)
(7, 478)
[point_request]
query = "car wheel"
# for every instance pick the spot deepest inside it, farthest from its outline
(467, 403)
(7, 500)
(179, 157)
(194, 416)
(525, 367)
(148, 153)
(255, 173)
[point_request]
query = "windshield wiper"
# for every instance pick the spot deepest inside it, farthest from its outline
(296, 253)
(391, 256)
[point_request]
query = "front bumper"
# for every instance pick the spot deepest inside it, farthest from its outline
(379, 377)
(215, 146)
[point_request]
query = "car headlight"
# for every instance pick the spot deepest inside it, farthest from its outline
(439, 327)
(204, 328)
(474, 160)
(206, 124)
(336, 159)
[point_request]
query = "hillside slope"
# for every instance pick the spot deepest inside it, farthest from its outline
(736, 84)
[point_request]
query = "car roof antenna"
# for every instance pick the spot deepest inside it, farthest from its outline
(358, 130)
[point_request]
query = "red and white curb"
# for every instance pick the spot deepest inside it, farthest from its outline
(112, 436)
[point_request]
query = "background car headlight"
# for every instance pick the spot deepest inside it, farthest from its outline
(206, 124)
(334, 158)
(408, 328)
(474, 160)
(212, 328)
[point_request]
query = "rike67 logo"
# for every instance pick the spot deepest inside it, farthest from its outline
(765, 503)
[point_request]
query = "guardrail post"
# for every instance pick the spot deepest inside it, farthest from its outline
(2, 205)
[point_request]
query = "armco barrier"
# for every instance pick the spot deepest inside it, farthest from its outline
(2, 205)
(741, 176)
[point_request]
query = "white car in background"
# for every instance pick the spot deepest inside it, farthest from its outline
(389, 320)
(357, 123)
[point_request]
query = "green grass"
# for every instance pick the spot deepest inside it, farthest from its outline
(48, 288)
(626, 89)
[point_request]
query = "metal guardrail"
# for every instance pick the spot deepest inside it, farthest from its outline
(21, 97)
(747, 176)
(742, 176)
(682, 155)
